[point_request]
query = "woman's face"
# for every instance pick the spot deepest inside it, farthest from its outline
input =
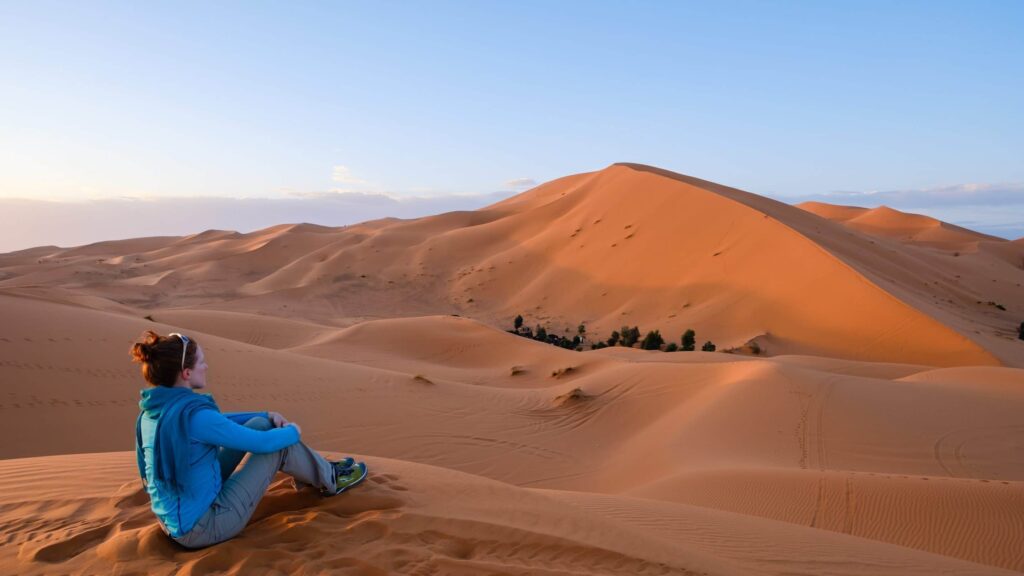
(197, 374)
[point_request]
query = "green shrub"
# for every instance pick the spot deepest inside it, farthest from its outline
(630, 336)
(672, 347)
(689, 340)
(708, 347)
(652, 341)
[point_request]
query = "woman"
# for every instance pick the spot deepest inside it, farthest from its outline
(187, 450)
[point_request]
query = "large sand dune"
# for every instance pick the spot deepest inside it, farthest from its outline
(880, 435)
(626, 245)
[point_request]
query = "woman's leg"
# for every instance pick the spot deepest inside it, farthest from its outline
(238, 497)
(230, 458)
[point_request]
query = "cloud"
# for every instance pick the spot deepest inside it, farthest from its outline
(31, 223)
(343, 175)
(520, 183)
(344, 195)
(956, 195)
(995, 209)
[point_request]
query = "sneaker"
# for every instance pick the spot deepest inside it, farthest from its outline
(350, 477)
(343, 464)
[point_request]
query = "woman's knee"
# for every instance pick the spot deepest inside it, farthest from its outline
(258, 423)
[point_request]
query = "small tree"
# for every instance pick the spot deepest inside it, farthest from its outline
(1020, 331)
(541, 333)
(630, 336)
(652, 341)
(518, 322)
(614, 339)
(624, 336)
(708, 347)
(671, 347)
(689, 340)
(581, 330)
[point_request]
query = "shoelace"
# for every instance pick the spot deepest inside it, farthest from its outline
(340, 470)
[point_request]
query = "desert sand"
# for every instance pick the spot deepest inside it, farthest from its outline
(878, 429)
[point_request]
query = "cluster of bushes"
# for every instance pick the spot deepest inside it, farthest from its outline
(542, 335)
(653, 340)
(626, 336)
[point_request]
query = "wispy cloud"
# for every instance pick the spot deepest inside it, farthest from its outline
(29, 223)
(343, 175)
(956, 195)
(520, 183)
(996, 209)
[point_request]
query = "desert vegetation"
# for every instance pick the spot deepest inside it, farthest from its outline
(626, 336)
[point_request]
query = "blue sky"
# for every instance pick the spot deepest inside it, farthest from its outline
(289, 100)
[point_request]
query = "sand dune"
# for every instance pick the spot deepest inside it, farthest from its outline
(908, 457)
(879, 434)
(626, 245)
(910, 228)
(420, 519)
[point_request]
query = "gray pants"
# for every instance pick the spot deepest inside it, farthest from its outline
(242, 491)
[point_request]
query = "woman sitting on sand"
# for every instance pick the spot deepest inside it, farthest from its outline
(187, 450)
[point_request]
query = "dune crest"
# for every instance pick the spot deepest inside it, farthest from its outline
(906, 227)
(627, 245)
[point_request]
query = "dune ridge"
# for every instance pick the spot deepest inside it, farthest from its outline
(911, 228)
(629, 244)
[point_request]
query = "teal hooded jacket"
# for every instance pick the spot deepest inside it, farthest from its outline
(177, 437)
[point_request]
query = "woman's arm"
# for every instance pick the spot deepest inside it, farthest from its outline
(243, 417)
(212, 427)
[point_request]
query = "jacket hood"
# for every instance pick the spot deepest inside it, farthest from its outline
(156, 399)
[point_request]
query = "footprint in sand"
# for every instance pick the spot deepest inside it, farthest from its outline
(71, 546)
(389, 481)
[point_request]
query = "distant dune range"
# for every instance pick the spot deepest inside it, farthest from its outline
(880, 434)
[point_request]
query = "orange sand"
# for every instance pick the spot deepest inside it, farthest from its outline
(880, 434)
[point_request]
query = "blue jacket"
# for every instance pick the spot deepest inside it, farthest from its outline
(177, 436)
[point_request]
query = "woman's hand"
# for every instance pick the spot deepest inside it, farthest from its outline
(277, 419)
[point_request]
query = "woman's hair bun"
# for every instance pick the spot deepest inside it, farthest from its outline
(143, 351)
(163, 358)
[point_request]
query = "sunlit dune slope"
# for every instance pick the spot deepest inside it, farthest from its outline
(415, 519)
(628, 245)
(898, 454)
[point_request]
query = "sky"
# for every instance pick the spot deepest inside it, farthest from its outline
(123, 119)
